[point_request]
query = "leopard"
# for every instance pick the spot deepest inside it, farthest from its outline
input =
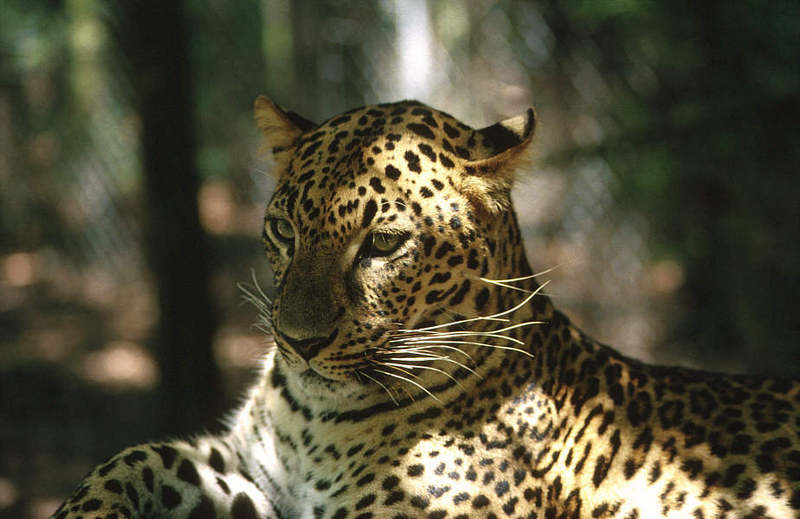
(419, 369)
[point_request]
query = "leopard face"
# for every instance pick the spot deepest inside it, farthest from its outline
(384, 220)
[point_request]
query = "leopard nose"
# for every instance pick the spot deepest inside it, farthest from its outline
(306, 348)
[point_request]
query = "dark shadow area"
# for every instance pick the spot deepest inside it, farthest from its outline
(49, 430)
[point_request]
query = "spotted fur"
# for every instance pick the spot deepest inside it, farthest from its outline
(390, 231)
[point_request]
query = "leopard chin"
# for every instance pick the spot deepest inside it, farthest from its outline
(319, 387)
(312, 378)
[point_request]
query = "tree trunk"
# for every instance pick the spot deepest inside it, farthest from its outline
(154, 38)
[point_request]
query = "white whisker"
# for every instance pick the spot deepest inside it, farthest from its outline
(414, 340)
(253, 299)
(258, 299)
(504, 285)
(419, 358)
(383, 386)
(489, 333)
(523, 278)
(488, 318)
(407, 380)
(254, 295)
(473, 343)
(485, 318)
(430, 368)
(413, 349)
(464, 333)
(258, 287)
(263, 328)
(434, 358)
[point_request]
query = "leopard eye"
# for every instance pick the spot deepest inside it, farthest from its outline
(383, 244)
(282, 229)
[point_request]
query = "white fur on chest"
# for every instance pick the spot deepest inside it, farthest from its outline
(284, 470)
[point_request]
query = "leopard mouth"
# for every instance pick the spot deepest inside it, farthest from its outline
(383, 362)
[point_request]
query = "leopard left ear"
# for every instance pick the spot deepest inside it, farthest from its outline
(281, 127)
(487, 180)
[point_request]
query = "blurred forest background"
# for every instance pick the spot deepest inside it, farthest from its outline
(131, 190)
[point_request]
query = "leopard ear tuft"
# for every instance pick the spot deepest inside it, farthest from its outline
(281, 128)
(487, 180)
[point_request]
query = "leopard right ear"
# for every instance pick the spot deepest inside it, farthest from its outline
(487, 179)
(281, 128)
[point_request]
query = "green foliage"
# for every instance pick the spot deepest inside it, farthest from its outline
(709, 153)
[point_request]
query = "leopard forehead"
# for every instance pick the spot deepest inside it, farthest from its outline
(370, 166)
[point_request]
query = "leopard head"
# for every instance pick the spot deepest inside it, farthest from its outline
(383, 221)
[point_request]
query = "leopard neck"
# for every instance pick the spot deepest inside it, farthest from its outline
(516, 319)
(515, 281)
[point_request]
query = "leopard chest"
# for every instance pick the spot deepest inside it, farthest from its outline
(412, 470)
(475, 454)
